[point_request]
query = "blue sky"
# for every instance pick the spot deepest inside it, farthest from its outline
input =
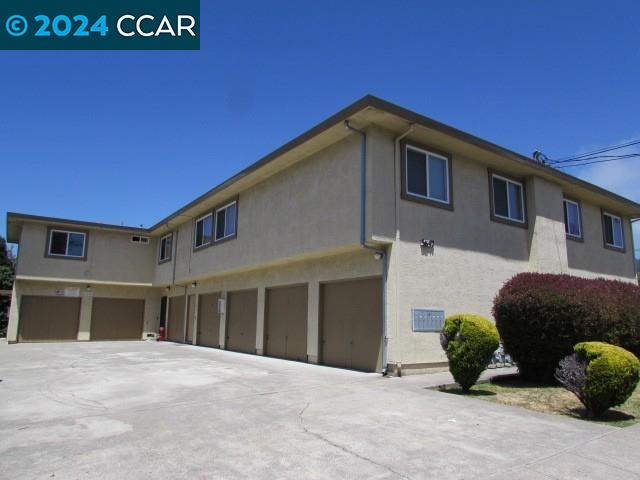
(112, 136)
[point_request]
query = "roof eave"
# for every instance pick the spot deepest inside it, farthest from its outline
(371, 101)
(15, 220)
(337, 118)
(417, 118)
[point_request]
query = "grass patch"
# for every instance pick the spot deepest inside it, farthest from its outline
(511, 390)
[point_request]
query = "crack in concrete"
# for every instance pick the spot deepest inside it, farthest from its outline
(537, 461)
(342, 447)
(47, 391)
(603, 462)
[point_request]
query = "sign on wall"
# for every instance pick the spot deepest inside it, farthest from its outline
(67, 292)
(426, 320)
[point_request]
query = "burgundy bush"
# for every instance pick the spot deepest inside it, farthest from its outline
(541, 317)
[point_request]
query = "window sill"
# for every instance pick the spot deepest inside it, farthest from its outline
(426, 201)
(512, 223)
(65, 257)
(202, 247)
(615, 249)
(574, 238)
(214, 243)
(225, 239)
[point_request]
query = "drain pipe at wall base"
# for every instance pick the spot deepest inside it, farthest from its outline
(379, 254)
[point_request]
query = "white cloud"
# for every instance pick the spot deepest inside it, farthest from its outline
(620, 176)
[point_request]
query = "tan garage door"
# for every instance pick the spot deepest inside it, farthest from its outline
(176, 319)
(208, 320)
(191, 317)
(242, 309)
(352, 324)
(48, 318)
(117, 319)
(286, 322)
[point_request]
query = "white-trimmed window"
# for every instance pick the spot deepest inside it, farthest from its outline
(226, 221)
(166, 243)
(426, 175)
(572, 219)
(65, 243)
(204, 228)
(508, 199)
(613, 233)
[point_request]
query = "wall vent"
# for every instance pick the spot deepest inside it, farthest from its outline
(140, 239)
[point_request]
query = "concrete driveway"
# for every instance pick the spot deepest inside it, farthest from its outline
(136, 410)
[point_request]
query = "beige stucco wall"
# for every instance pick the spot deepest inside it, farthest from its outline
(311, 206)
(381, 195)
(473, 255)
(150, 295)
(590, 259)
(302, 226)
(471, 259)
(111, 256)
(547, 238)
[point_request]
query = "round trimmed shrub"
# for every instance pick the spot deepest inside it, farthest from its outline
(469, 341)
(541, 317)
(600, 375)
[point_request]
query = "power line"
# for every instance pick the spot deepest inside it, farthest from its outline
(595, 152)
(597, 159)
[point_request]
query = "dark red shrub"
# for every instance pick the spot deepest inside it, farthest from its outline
(541, 317)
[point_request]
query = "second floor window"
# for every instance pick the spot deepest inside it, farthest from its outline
(204, 228)
(64, 243)
(572, 222)
(165, 247)
(226, 221)
(613, 234)
(427, 175)
(508, 199)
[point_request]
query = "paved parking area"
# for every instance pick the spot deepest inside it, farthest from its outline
(138, 410)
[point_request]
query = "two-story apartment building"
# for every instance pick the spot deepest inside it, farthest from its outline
(347, 246)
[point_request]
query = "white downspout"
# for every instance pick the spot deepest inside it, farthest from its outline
(174, 258)
(633, 249)
(379, 253)
(396, 246)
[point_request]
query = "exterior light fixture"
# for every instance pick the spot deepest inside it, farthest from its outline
(194, 284)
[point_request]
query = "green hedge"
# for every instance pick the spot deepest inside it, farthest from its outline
(612, 375)
(469, 341)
